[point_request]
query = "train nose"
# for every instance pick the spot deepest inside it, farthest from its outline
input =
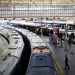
(41, 64)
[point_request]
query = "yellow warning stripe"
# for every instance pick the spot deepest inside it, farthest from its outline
(58, 65)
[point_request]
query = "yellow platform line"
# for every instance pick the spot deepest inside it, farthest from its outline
(58, 65)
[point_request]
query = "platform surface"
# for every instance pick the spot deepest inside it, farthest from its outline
(60, 53)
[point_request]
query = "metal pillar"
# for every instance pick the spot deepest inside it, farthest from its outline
(28, 9)
(13, 11)
(66, 36)
(41, 27)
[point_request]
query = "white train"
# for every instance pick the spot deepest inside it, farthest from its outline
(12, 53)
(14, 60)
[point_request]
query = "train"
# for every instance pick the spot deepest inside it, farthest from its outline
(41, 61)
(27, 54)
(46, 26)
(10, 56)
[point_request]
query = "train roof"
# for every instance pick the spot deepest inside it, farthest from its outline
(11, 53)
(23, 22)
(56, 21)
(4, 21)
(35, 40)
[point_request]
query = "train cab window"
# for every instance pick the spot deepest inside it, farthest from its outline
(42, 60)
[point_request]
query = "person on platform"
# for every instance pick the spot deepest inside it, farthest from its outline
(66, 63)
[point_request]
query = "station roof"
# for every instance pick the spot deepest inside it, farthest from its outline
(39, 1)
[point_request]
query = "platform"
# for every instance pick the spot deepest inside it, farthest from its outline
(60, 53)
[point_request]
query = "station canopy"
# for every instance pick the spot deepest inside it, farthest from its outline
(38, 1)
